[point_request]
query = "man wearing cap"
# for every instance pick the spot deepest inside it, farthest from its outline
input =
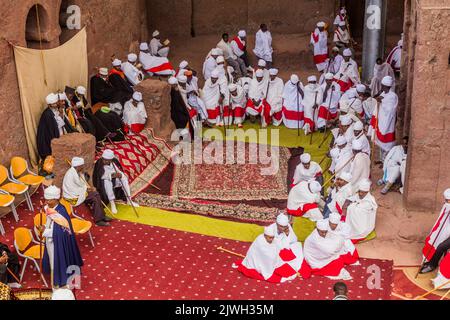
(311, 101)
(342, 161)
(351, 101)
(323, 254)
(293, 110)
(348, 74)
(341, 191)
(178, 109)
(394, 166)
(76, 191)
(210, 63)
(360, 166)
(154, 65)
(304, 200)
(110, 181)
(319, 42)
(120, 83)
(307, 170)
(385, 117)
(239, 47)
(395, 57)
(380, 70)
(333, 64)
(102, 91)
(213, 95)
(238, 102)
(132, 73)
(273, 111)
(341, 35)
(360, 135)
(263, 45)
(360, 212)
(345, 128)
(230, 57)
(61, 252)
(157, 48)
(134, 114)
(51, 126)
(438, 241)
(259, 87)
(328, 110)
(342, 229)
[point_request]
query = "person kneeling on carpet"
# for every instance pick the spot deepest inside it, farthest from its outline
(111, 182)
(76, 191)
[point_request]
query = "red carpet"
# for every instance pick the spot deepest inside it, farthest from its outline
(133, 261)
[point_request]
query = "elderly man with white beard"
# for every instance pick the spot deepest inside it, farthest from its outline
(273, 113)
(341, 191)
(312, 98)
(360, 212)
(307, 170)
(293, 111)
(340, 228)
(304, 200)
(322, 251)
(257, 93)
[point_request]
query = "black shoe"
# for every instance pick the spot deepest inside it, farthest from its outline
(108, 219)
(103, 224)
(427, 269)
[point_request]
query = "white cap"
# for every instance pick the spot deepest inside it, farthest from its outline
(365, 185)
(259, 73)
(315, 187)
(215, 52)
(346, 176)
(341, 141)
(295, 79)
(322, 225)
(360, 88)
(77, 162)
(232, 87)
(63, 295)
(447, 194)
(155, 33)
(183, 64)
(273, 72)
(172, 81)
(117, 63)
(108, 154)
(321, 24)
(220, 59)
(262, 63)
(357, 145)
(387, 81)
(52, 98)
(103, 71)
(345, 120)
(358, 126)
(143, 46)
(62, 96)
(347, 53)
(283, 220)
(52, 193)
(137, 96)
(335, 218)
(132, 57)
(312, 79)
(81, 90)
(329, 76)
(270, 232)
(182, 79)
(215, 74)
(305, 158)
(242, 34)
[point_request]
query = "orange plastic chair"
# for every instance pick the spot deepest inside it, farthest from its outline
(7, 200)
(80, 226)
(19, 170)
(23, 242)
(13, 186)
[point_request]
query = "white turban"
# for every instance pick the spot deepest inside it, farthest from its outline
(81, 90)
(155, 33)
(132, 57)
(63, 295)
(335, 218)
(357, 145)
(137, 96)
(220, 59)
(182, 79)
(242, 34)
(346, 176)
(312, 79)
(270, 232)
(215, 74)
(321, 24)
(283, 220)
(103, 71)
(232, 87)
(173, 81)
(273, 72)
(360, 88)
(322, 225)
(305, 158)
(117, 63)
(387, 81)
(447, 194)
(52, 193)
(108, 154)
(259, 73)
(341, 141)
(329, 76)
(143, 46)
(364, 185)
(215, 52)
(62, 96)
(295, 79)
(347, 53)
(52, 98)
(345, 120)
(262, 63)
(184, 64)
(358, 126)
(77, 162)
(315, 187)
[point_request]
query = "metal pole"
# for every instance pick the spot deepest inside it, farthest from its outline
(374, 27)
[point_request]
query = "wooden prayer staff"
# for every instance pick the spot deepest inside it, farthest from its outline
(338, 171)
(231, 252)
(325, 139)
(41, 243)
(323, 159)
(431, 291)
(13, 275)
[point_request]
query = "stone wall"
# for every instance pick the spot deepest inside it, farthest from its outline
(109, 32)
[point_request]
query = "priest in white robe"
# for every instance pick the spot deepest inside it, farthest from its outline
(342, 229)
(263, 44)
(135, 114)
(343, 159)
(157, 48)
(313, 97)
(133, 74)
(395, 57)
(392, 166)
(213, 98)
(360, 166)
(238, 101)
(341, 35)
(360, 135)
(304, 200)
(319, 42)
(154, 65)
(341, 191)
(239, 47)
(380, 70)
(333, 64)
(329, 108)
(258, 90)
(348, 74)
(293, 110)
(274, 113)
(210, 63)
(307, 170)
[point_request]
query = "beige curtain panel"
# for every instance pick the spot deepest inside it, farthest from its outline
(41, 72)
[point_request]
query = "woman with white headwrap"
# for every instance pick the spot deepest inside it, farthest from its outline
(304, 200)
(293, 110)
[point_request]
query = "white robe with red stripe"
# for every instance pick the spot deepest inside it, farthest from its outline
(303, 203)
(339, 196)
(238, 103)
(262, 257)
(361, 216)
(135, 116)
(238, 46)
(289, 243)
(434, 240)
(210, 96)
(328, 109)
(293, 111)
(313, 96)
(320, 42)
(385, 120)
(348, 75)
(275, 101)
(257, 92)
(303, 174)
(156, 65)
(349, 251)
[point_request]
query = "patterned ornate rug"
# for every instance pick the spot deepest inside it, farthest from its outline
(243, 178)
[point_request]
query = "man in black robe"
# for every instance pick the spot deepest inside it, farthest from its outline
(119, 81)
(9, 260)
(102, 91)
(178, 112)
(76, 105)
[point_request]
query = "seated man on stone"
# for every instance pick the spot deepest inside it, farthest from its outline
(76, 191)
(360, 212)
(9, 260)
(104, 92)
(110, 181)
(131, 71)
(154, 65)
(157, 48)
(342, 229)
(341, 191)
(323, 254)
(230, 57)
(51, 126)
(307, 170)
(394, 166)
(135, 114)
(304, 200)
